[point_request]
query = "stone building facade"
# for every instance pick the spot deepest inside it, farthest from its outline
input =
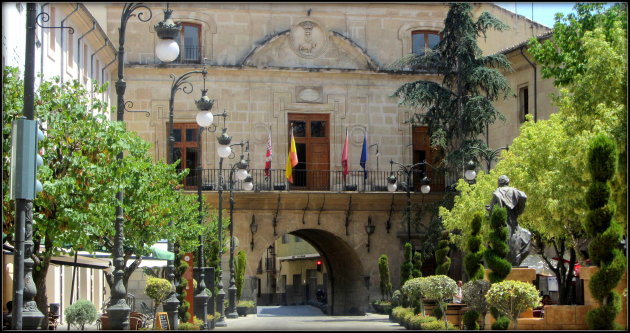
(324, 67)
(82, 55)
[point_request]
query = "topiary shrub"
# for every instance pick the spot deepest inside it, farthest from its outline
(407, 266)
(417, 264)
(605, 233)
(412, 292)
(474, 295)
(436, 325)
(437, 312)
(81, 313)
(470, 320)
(385, 283)
(158, 290)
(472, 260)
(440, 288)
(180, 286)
(441, 254)
(498, 247)
(415, 322)
(396, 298)
(502, 324)
(511, 298)
(239, 269)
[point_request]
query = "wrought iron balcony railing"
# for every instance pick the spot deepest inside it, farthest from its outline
(317, 180)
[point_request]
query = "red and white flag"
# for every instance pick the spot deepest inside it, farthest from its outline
(268, 156)
(344, 157)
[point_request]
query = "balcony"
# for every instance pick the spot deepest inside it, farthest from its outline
(317, 180)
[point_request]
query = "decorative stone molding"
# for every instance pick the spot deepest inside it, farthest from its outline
(308, 38)
(309, 94)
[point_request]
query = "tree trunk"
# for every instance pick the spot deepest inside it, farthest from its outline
(41, 298)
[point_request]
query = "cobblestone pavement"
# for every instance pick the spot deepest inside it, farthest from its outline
(306, 317)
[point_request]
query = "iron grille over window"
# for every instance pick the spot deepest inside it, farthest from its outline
(190, 43)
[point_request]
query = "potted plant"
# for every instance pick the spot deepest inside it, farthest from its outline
(158, 290)
(80, 313)
(245, 307)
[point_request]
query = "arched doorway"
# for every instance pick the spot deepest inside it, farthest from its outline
(344, 283)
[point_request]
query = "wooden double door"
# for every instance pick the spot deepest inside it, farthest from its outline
(312, 142)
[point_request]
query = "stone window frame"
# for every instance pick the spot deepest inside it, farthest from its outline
(426, 36)
(521, 103)
(405, 32)
(182, 45)
(208, 30)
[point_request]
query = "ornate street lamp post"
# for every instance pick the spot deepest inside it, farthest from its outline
(223, 151)
(117, 309)
(424, 188)
(204, 104)
(240, 169)
(204, 120)
(489, 155)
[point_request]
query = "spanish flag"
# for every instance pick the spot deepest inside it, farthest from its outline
(292, 159)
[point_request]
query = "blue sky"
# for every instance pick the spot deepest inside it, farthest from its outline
(543, 12)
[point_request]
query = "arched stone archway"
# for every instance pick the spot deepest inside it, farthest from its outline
(347, 293)
(346, 290)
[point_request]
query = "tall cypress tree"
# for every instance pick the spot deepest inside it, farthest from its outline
(459, 109)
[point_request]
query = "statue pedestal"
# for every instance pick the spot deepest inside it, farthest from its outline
(524, 274)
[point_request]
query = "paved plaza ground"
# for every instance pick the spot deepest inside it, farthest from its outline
(299, 318)
(306, 317)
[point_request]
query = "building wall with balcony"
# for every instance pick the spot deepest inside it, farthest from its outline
(268, 62)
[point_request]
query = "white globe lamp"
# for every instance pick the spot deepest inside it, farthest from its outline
(204, 119)
(167, 50)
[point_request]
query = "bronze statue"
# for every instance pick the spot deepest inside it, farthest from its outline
(514, 201)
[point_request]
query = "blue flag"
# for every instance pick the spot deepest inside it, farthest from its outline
(364, 156)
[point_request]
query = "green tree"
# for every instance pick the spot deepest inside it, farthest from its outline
(459, 109)
(548, 159)
(239, 267)
(439, 288)
(604, 231)
(511, 298)
(441, 255)
(158, 290)
(81, 176)
(407, 266)
(563, 56)
(385, 283)
(588, 56)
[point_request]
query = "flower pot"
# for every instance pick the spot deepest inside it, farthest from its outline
(242, 310)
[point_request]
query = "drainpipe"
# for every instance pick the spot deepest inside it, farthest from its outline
(41, 54)
(79, 43)
(535, 86)
(77, 8)
(92, 63)
(103, 73)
